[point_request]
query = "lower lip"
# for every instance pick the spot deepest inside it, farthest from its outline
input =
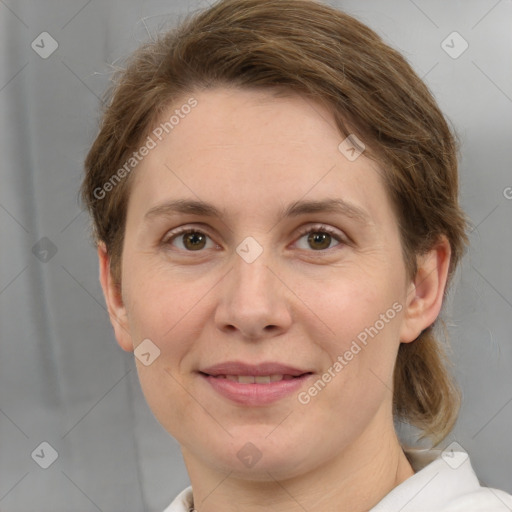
(256, 394)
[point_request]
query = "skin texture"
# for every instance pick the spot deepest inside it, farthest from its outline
(251, 154)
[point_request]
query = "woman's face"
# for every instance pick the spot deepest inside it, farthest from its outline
(293, 260)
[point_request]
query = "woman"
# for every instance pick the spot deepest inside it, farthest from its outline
(274, 197)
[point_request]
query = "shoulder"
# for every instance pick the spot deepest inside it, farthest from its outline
(484, 499)
(444, 482)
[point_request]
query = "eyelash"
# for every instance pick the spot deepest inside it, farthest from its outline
(318, 228)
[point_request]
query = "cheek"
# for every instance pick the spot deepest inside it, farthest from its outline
(362, 316)
(169, 309)
(159, 301)
(350, 301)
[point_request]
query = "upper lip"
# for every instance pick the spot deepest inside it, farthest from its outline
(239, 368)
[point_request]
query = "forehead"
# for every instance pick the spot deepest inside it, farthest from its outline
(254, 148)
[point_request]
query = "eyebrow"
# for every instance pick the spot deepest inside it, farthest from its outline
(201, 208)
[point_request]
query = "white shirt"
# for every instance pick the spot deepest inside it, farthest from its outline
(440, 484)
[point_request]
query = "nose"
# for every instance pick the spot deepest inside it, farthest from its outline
(253, 301)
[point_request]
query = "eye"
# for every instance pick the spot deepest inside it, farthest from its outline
(190, 239)
(319, 238)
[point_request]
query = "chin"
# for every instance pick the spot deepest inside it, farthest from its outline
(258, 458)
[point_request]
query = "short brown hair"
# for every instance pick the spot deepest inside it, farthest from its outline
(304, 47)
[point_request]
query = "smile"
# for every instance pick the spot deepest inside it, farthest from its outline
(255, 390)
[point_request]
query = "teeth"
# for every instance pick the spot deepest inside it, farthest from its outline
(260, 379)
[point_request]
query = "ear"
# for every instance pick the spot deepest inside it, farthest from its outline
(425, 293)
(114, 300)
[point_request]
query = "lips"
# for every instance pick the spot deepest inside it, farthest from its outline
(255, 394)
(255, 385)
(255, 379)
(267, 369)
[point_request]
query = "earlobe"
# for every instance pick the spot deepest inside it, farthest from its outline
(426, 292)
(115, 306)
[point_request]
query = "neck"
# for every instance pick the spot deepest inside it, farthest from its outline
(353, 481)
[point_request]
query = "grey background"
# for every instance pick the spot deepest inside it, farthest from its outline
(64, 380)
